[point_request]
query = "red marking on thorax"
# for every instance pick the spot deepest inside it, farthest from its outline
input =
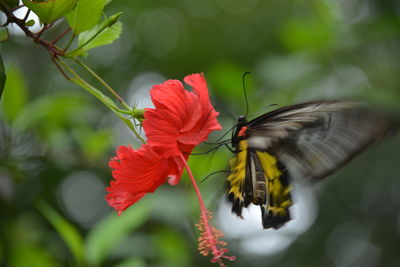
(242, 131)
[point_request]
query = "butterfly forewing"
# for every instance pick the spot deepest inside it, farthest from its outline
(314, 139)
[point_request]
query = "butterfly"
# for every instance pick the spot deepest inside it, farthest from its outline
(311, 140)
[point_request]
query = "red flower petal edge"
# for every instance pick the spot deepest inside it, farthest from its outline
(137, 172)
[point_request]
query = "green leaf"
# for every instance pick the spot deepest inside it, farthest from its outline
(50, 10)
(103, 33)
(67, 231)
(3, 34)
(30, 23)
(112, 230)
(14, 94)
(2, 76)
(86, 14)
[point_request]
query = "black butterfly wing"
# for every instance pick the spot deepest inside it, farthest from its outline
(314, 139)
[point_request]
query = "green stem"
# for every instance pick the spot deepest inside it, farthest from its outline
(104, 99)
(134, 113)
(69, 42)
(112, 91)
(124, 111)
(137, 113)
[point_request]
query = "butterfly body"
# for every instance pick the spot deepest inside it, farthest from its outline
(310, 140)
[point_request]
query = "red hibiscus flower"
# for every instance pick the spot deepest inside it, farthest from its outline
(180, 121)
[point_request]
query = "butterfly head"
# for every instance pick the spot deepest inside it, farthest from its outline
(240, 132)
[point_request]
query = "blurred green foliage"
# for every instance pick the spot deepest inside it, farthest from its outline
(56, 140)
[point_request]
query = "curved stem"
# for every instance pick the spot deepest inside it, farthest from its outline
(97, 77)
(105, 100)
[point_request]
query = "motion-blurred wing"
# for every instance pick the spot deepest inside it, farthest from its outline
(314, 139)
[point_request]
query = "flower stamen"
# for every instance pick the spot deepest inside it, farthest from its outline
(209, 236)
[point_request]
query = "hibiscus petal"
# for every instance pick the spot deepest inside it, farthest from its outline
(181, 119)
(137, 172)
(208, 122)
(120, 198)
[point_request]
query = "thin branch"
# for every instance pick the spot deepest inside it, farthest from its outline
(39, 34)
(26, 15)
(60, 36)
(53, 50)
(88, 87)
(60, 69)
(16, 8)
(13, 19)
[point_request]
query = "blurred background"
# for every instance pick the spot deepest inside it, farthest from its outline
(56, 140)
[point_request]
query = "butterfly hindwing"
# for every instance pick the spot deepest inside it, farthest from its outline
(257, 178)
(272, 191)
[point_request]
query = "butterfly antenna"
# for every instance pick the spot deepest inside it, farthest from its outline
(211, 174)
(208, 151)
(244, 92)
(228, 131)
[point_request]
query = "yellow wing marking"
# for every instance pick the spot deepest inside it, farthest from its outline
(238, 171)
(278, 194)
